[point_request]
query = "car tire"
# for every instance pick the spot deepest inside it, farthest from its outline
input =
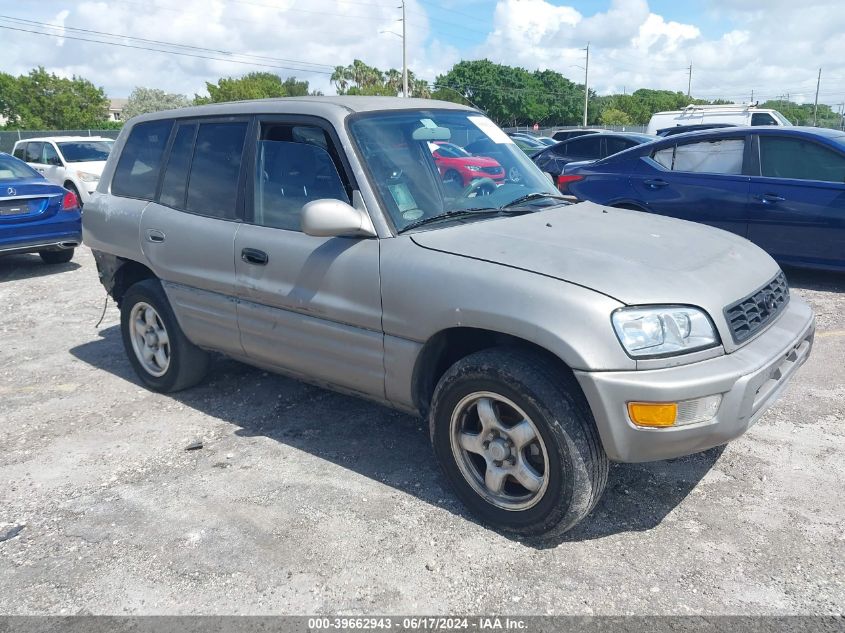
(566, 452)
(160, 353)
(56, 257)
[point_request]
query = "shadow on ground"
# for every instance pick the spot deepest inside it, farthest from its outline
(822, 280)
(16, 267)
(391, 447)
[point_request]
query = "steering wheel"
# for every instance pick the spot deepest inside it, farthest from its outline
(479, 187)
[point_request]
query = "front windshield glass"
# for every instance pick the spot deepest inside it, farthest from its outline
(84, 151)
(14, 169)
(396, 150)
(783, 120)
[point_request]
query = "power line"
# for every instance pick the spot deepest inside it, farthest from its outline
(158, 50)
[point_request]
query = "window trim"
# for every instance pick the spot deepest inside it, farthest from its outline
(344, 170)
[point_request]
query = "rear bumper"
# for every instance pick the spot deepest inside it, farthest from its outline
(750, 380)
(34, 246)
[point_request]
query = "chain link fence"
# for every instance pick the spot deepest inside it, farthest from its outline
(9, 138)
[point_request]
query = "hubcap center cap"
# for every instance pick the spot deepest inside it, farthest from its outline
(151, 339)
(498, 450)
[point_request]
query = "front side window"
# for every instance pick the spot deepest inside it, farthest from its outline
(136, 174)
(216, 165)
(293, 167)
(723, 156)
(395, 150)
(84, 151)
(49, 156)
(782, 157)
(762, 118)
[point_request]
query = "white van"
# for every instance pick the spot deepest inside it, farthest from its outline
(726, 114)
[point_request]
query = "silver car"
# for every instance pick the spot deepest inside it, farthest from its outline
(316, 237)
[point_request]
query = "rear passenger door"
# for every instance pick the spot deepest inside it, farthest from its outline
(798, 200)
(188, 230)
(310, 306)
(700, 180)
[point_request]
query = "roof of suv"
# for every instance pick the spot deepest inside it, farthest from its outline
(62, 139)
(308, 105)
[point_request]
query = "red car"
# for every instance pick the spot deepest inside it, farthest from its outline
(459, 166)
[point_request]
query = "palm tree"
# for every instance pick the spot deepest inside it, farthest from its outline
(340, 78)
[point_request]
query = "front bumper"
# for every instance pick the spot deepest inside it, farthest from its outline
(749, 379)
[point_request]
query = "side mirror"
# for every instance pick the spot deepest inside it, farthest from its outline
(334, 218)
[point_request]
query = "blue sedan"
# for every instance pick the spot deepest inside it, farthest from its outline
(36, 216)
(783, 188)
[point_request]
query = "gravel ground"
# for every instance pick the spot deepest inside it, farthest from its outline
(305, 501)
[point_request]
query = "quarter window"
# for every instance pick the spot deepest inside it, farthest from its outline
(708, 157)
(20, 152)
(782, 157)
(136, 174)
(213, 182)
(293, 167)
(762, 118)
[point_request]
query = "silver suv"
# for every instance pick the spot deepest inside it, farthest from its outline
(317, 237)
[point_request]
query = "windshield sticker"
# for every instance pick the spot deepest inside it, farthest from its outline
(489, 128)
(428, 123)
(403, 198)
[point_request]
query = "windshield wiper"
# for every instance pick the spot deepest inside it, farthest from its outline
(454, 213)
(537, 195)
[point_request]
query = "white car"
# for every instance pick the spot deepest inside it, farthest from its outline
(718, 114)
(74, 162)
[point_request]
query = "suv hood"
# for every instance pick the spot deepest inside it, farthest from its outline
(634, 257)
(91, 166)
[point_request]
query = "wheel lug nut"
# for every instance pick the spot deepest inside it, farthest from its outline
(497, 463)
(486, 444)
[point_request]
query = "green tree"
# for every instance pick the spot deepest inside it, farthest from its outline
(45, 101)
(143, 100)
(258, 85)
(614, 116)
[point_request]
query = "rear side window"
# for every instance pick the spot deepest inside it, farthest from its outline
(762, 118)
(213, 182)
(616, 145)
(33, 152)
(175, 182)
(20, 151)
(708, 157)
(588, 146)
(782, 157)
(136, 174)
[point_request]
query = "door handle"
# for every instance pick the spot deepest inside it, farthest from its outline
(254, 256)
(769, 198)
(155, 236)
(655, 183)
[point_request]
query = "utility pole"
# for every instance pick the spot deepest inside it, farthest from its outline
(586, 83)
(816, 104)
(404, 54)
(752, 95)
(689, 82)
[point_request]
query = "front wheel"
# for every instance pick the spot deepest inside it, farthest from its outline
(164, 359)
(516, 440)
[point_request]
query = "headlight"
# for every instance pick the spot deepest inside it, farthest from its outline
(473, 168)
(85, 176)
(663, 330)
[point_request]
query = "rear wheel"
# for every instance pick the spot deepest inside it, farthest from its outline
(515, 438)
(56, 257)
(164, 359)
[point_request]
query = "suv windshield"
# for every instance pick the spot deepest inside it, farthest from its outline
(396, 150)
(84, 151)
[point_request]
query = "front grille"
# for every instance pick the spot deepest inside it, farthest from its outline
(750, 315)
(491, 170)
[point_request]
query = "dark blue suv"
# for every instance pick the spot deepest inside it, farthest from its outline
(36, 216)
(783, 188)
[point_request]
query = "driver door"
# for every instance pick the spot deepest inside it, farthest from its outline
(308, 306)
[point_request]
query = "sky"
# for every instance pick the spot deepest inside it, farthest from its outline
(773, 48)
